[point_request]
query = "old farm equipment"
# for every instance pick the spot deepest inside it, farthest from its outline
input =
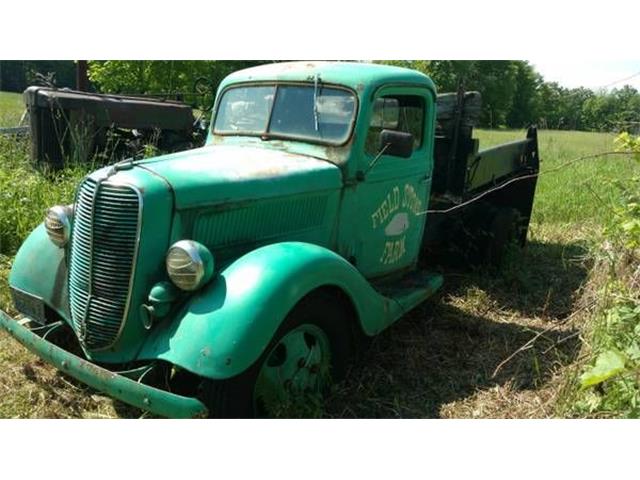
(79, 126)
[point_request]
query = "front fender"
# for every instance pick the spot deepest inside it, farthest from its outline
(226, 327)
(40, 268)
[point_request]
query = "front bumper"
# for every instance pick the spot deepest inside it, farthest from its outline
(117, 386)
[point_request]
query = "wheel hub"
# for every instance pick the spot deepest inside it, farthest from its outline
(296, 368)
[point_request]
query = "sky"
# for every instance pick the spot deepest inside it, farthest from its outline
(593, 74)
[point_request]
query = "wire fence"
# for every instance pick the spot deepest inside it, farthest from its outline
(526, 177)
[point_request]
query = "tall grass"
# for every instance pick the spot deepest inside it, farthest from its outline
(25, 195)
(577, 195)
(11, 109)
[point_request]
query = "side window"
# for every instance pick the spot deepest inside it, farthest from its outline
(404, 113)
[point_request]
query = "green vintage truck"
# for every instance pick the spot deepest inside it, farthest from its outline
(233, 279)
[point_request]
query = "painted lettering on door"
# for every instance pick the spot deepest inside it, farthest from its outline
(393, 213)
(393, 251)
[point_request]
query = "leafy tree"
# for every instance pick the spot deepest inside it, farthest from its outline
(598, 112)
(494, 79)
(160, 76)
(514, 94)
(627, 108)
(572, 104)
(549, 105)
(524, 109)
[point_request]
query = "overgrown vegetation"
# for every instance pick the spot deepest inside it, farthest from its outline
(27, 193)
(609, 383)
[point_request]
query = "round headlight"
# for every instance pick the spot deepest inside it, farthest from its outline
(57, 222)
(189, 264)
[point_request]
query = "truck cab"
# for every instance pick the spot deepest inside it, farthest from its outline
(232, 279)
(338, 114)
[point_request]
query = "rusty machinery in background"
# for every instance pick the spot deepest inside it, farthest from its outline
(78, 126)
(69, 124)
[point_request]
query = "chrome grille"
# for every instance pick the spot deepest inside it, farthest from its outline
(103, 250)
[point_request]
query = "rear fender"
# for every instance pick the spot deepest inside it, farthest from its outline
(225, 328)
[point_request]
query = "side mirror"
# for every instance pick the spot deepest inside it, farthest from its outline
(398, 144)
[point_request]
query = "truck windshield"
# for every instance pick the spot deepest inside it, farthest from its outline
(305, 112)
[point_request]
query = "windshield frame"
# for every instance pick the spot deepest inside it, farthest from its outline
(267, 135)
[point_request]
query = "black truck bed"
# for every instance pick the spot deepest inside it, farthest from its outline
(471, 188)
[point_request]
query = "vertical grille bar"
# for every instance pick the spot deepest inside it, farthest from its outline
(103, 250)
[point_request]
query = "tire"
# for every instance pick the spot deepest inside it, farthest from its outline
(318, 322)
(503, 232)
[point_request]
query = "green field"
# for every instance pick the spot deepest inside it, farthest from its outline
(569, 196)
(11, 109)
(455, 356)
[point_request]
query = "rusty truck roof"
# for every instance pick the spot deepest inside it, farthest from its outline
(358, 76)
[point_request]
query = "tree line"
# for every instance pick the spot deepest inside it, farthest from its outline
(514, 94)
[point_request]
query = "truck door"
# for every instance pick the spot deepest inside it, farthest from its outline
(387, 205)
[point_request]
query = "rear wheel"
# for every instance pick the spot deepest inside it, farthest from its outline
(503, 233)
(309, 351)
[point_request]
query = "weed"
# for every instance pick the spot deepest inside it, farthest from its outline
(607, 383)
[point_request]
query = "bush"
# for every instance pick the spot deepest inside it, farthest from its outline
(163, 76)
(610, 381)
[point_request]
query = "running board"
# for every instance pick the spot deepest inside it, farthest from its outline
(411, 290)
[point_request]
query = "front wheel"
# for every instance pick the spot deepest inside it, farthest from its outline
(309, 351)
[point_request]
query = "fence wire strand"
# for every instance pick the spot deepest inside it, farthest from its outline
(525, 177)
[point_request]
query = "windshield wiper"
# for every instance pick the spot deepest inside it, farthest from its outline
(315, 101)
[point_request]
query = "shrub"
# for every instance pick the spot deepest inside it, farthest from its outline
(610, 382)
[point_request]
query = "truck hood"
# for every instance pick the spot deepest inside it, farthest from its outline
(221, 174)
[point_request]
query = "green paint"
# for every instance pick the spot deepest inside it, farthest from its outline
(281, 217)
(40, 268)
(227, 325)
